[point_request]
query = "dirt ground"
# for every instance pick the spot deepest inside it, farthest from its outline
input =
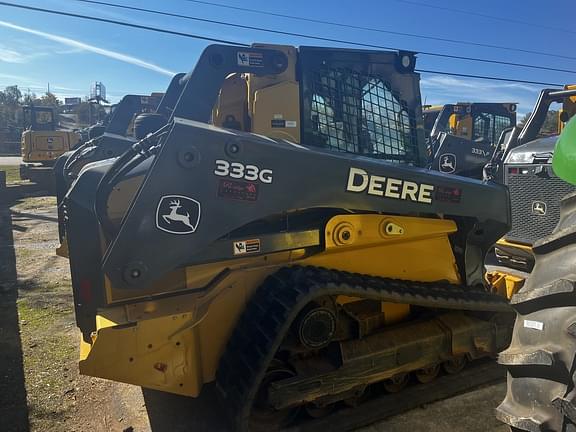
(40, 388)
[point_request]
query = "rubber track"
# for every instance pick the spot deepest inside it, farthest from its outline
(276, 303)
(387, 405)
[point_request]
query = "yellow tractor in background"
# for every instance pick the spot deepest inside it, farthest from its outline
(42, 144)
(279, 241)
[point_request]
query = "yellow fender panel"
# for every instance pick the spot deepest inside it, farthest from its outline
(159, 354)
(396, 247)
(175, 344)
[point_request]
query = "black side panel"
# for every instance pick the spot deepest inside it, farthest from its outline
(283, 177)
(460, 156)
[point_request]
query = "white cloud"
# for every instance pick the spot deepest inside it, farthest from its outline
(87, 47)
(480, 85)
(13, 77)
(19, 56)
(11, 56)
(439, 90)
(68, 89)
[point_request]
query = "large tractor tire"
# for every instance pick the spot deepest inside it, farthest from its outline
(541, 360)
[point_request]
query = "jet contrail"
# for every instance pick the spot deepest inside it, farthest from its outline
(86, 47)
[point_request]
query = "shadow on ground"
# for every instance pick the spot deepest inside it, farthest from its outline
(14, 413)
(169, 412)
(13, 406)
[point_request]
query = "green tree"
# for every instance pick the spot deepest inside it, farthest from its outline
(550, 125)
(11, 96)
(524, 119)
(10, 99)
(29, 99)
(49, 99)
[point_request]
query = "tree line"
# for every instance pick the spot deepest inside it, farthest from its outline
(550, 125)
(12, 100)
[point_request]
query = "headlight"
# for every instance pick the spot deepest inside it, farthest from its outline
(519, 158)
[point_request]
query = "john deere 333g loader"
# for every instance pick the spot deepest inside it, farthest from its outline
(278, 241)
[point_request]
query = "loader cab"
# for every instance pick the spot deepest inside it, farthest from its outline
(39, 118)
(465, 136)
(358, 102)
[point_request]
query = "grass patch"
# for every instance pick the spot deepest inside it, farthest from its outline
(12, 173)
(50, 353)
(37, 316)
(23, 253)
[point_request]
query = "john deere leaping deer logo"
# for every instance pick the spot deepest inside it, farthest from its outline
(447, 163)
(539, 208)
(177, 214)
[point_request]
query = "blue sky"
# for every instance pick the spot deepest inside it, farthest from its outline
(70, 53)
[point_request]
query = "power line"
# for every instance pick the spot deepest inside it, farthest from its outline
(373, 29)
(122, 23)
(193, 36)
(483, 15)
(488, 78)
(321, 38)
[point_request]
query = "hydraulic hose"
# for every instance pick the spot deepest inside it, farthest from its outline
(136, 154)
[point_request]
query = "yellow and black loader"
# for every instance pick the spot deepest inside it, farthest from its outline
(281, 241)
(465, 136)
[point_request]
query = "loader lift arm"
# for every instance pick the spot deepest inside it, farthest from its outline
(112, 143)
(198, 98)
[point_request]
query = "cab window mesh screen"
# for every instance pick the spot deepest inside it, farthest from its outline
(482, 125)
(500, 123)
(489, 126)
(356, 113)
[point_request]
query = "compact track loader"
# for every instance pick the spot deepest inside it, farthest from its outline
(279, 241)
(43, 144)
(464, 136)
